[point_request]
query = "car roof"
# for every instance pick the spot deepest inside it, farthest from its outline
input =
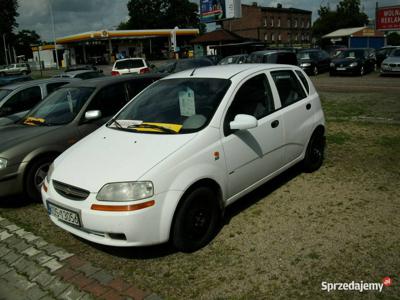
(100, 82)
(225, 71)
(16, 85)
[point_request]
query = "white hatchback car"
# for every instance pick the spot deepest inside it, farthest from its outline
(165, 167)
(130, 65)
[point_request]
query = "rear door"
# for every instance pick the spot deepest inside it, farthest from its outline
(297, 112)
(252, 155)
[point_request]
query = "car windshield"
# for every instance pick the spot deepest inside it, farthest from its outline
(180, 105)
(3, 93)
(60, 107)
(394, 52)
(306, 55)
(351, 54)
(127, 64)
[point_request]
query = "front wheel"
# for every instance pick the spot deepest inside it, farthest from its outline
(196, 220)
(35, 176)
(315, 153)
(362, 71)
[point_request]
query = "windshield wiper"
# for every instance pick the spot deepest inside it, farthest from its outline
(114, 121)
(151, 126)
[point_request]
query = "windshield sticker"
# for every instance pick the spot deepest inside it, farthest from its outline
(33, 121)
(186, 103)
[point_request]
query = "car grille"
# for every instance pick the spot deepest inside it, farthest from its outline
(394, 65)
(69, 191)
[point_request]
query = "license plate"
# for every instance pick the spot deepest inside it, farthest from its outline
(341, 69)
(63, 214)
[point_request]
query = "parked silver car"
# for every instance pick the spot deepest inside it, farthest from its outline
(81, 74)
(67, 115)
(391, 65)
(16, 69)
(18, 98)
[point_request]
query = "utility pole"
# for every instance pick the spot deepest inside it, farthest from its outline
(5, 47)
(54, 33)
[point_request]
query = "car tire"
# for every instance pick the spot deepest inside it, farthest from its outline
(24, 73)
(314, 156)
(315, 71)
(196, 220)
(35, 175)
(362, 71)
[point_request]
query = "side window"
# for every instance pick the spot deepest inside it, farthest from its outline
(303, 80)
(23, 100)
(288, 86)
(51, 87)
(254, 98)
(109, 100)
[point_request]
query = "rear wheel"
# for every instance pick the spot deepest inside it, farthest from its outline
(35, 176)
(315, 152)
(196, 220)
(315, 71)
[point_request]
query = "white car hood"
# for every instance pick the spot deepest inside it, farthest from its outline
(110, 155)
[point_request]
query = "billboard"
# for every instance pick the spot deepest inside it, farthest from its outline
(217, 10)
(388, 18)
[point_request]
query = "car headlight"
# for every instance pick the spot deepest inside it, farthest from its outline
(305, 65)
(126, 191)
(354, 64)
(332, 65)
(3, 163)
(49, 173)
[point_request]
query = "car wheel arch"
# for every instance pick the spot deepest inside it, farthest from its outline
(204, 182)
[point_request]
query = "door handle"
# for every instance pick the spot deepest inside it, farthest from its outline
(275, 124)
(308, 106)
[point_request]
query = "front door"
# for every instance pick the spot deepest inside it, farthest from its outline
(251, 155)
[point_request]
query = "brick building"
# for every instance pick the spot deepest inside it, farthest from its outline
(276, 26)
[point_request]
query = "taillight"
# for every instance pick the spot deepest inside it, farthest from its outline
(114, 73)
(144, 70)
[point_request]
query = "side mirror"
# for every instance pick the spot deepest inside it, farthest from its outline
(92, 115)
(243, 122)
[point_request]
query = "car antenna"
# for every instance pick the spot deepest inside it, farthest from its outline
(192, 72)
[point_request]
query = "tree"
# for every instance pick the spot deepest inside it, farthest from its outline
(347, 15)
(144, 14)
(8, 13)
(393, 39)
(24, 41)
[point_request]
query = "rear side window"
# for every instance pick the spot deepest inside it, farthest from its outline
(51, 87)
(109, 100)
(303, 80)
(128, 64)
(23, 100)
(288, 86)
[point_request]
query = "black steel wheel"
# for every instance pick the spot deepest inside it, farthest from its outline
(315, 152)
(35, 176)
(196, 220)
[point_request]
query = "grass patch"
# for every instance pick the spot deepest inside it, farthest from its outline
(338, 138)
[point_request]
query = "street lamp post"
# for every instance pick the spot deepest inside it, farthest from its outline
(5, 47)
(54, 32)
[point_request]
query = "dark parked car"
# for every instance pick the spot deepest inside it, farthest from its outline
(70, 113)
(273, 57)
(4, 80)
(175, 66)
(354, 61)
(81, 74)
(382, 53)
(314, 61)
(80, 67)
(233, 59)
(18, 98)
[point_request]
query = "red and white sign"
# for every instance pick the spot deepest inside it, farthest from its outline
(388, 18)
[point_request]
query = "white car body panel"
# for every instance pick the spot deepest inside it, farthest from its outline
(238, 163)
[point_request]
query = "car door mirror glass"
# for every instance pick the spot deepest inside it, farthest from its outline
(243, 122)
(92, 115)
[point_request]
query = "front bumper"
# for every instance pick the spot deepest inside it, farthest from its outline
(147, 226)
(344, 70)
(12, 180)
(387, 70)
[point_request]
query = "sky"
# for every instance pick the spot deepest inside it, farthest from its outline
(77, 16)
